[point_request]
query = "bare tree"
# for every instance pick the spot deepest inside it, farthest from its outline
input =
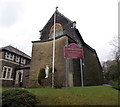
(112, 67)
(116, 52)
(116, 44)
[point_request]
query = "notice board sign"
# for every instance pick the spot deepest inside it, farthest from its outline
(73, 51)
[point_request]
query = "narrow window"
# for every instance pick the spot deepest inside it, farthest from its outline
(58, 29)
(11, 57)
(8, 75)
(23, 61)
(7, 55)
(17, 59)
(4, 74)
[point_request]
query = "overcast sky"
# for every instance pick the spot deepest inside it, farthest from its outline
(21, 20)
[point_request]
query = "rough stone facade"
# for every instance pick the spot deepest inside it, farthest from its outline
(42, 56)
(93, 74)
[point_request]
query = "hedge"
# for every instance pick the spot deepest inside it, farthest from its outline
(18, 98)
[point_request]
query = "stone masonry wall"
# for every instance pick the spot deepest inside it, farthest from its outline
(92, 70)
(42, 56)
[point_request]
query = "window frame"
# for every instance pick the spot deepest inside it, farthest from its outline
(23, 61)
(9, 56)
(7, 71)
(17, 59)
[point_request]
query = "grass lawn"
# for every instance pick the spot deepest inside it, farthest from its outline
(93, 95)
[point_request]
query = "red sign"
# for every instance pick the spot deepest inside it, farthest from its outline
(73, 51)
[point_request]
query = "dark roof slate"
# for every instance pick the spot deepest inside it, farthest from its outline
(58, 13)
(15, 51)
(64, 16)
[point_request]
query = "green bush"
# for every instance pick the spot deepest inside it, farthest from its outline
(116, 85)
(18, 98)
(41, 76)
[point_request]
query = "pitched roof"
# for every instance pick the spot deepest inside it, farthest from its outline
(58, 13)
(64, 16)
(86, 45)
(76, 31)
(80, 37)
(15, 50)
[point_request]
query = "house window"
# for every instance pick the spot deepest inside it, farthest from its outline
(9, 56)
(17, 59)
(8, 75)
(7, 72)
(23, 61)
(4, 73)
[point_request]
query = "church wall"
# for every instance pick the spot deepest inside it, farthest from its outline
(76, 72)
(70, 74)
(42, 56)
(92, 69)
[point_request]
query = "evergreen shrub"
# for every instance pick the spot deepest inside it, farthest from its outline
(18, 98)
(116, 85)
(41, 76)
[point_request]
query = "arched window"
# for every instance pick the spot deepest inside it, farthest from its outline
(58, 29)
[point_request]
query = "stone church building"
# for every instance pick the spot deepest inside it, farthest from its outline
(66, 33)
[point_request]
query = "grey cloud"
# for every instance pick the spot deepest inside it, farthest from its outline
(10, 12)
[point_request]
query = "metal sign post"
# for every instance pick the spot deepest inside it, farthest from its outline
(67, 73)
(81, 72)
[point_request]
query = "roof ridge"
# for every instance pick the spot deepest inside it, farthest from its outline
(52, 16)
(64, 16)
(15, 50)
